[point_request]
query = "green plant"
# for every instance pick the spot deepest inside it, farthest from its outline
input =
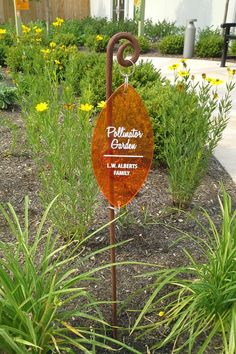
(144, 44)
(59, 133)
(199, 303)
(3, 54)
(161, 29)
(41, 280)
(233, 47)
(98, 42)
(209, 46)
(8, 96)
(66, 39)
(190, 138)
(172, 44)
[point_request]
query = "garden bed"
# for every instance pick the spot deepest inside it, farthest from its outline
(150, 225)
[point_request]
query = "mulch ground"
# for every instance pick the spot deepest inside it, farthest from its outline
(151, 223)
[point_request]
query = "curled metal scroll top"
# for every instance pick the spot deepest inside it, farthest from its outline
(133, 42)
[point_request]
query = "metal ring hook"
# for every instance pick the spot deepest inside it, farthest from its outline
(125, 74)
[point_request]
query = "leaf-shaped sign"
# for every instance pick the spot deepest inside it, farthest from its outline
(122, 146)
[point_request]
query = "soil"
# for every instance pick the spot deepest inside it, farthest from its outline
(150, 225)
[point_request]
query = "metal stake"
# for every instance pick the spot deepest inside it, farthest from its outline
(109, 63)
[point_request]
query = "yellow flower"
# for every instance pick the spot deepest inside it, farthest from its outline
(99, 38)
(161, 313)
(38, 30)
(86, 107)
(52, 45)
(56, 24)
(231, 71)
(45, 51)
(102, 104)
(41, 107)
(183, 60)
(25, 29)
(183, 73)
(217, 82)
(209, 79)
(59, 20)
(57, 62)
(2, 31)
(214, 82)
(173, 67)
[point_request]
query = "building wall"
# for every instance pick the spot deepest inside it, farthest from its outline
(207, 12)
(101, 8)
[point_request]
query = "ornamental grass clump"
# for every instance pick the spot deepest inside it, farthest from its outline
(198, 308)
(45, 305)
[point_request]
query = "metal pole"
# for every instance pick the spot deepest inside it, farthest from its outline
(109, 63)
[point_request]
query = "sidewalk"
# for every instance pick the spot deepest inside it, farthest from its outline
(226, 149)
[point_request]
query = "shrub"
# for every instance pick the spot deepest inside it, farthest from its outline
(144, 44)
(8, 96)
(173, 44)
(161, 29)
(209, 46)
(98, 42)
(65, 39)
(199, 302)
(233, 47)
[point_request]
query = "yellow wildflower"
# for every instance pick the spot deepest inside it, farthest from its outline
(56, 24)
(57, 62)
(86, 107)
(41, 107)
(38, 30)
(3, 31)
(102, 104)
(215, 82)
(183, 73)
(52, 45)
(25, 29)
(99, 38)
(161, 313)
(231, 71)
(173, 67)
(59, 20)
(45, 51)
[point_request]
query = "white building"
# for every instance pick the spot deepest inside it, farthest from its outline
(207, 12)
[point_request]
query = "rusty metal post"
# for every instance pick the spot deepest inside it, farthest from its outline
(132, 41)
